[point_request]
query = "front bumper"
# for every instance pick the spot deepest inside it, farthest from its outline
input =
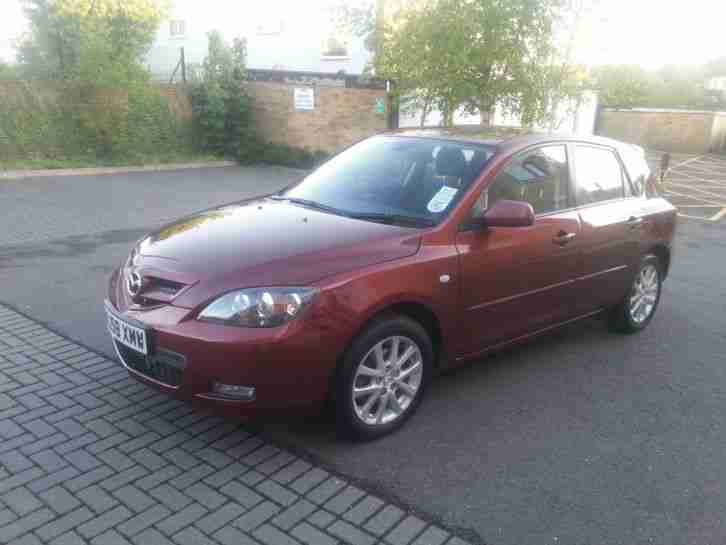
(287, 366)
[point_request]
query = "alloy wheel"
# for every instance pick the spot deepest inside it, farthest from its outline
(387, 380)
(644, 294)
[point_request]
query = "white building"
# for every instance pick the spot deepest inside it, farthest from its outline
(280, 34)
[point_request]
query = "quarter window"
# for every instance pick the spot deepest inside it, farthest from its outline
(539, 177)
(599, 176)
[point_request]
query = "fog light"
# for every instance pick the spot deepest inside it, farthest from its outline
(233, 391)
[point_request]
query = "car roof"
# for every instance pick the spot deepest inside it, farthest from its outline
(511, 143)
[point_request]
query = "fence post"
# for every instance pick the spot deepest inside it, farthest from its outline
(183, 66)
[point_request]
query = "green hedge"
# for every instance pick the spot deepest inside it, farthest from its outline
(52, 125)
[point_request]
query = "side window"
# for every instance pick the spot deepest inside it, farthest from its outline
(599, 176)
(539, 177)
(638, 169)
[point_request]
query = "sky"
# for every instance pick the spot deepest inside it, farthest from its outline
(646, 32)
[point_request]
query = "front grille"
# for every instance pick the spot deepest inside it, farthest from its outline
(154, 291)
(165, 366)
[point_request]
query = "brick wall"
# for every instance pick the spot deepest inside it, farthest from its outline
(680, 131)
(341, 116)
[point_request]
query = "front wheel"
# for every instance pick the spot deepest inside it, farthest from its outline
(382, 378)
(636, 310)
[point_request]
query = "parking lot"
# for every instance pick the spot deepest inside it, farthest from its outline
(581, 437)
(697, 185)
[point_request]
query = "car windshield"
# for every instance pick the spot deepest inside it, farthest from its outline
(394, 179)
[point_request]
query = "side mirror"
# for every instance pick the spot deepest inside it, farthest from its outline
(508, 214)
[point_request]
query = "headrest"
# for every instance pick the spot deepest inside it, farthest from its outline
(450, 162)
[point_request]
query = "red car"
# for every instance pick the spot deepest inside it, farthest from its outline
(403, 255)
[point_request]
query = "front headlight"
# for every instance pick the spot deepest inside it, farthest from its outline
(258, 307)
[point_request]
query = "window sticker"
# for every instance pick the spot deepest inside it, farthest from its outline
(442, 199)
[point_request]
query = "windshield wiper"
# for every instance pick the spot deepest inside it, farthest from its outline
(395, 219)
(310, 204)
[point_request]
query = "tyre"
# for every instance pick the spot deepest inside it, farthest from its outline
(637, 308)
(382, 378)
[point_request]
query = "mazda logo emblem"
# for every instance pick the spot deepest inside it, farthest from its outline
(134, 283)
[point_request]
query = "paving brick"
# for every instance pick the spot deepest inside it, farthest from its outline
(363, 510)
(312, 536)
(405, 531)
(187, 516)
(321, 518)
(326, 490)
(384, 520)
(76, 443)
(220, 517)
(192, 536)
(187, 478)
(150, 536)
(309, 480)
(48, 460)
(155, 478)
(344, 500)
(149, 459)
(171, 497)
(7, 516)
(112, 537)
(273, 464)
(232, 536)
(213, 457)
(25, 524)
(294, 514)
(97, 499)
(21, 501)
(205, 495)
(242, 494)
(69, 538)
(133, 498)
(9, 429)
(59, 499)
(104, 522)
(116, 459)
(350, 534)
(432, 536)
(277, 493)
(272, 536)
(52, 479)
(291, 472)
(88, 478)
(63, 524)
(14, 461)
(251, 478)
(143, 520)
(123, 478)
(83, 460)
(256, 516)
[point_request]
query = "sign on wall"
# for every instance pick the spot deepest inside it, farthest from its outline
(304, 98)
(380, 106)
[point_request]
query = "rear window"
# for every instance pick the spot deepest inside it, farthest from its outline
(638, 169)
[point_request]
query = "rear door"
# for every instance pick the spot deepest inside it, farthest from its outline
(516, 280)
(611, 224)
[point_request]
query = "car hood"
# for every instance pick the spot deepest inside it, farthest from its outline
(265, 243)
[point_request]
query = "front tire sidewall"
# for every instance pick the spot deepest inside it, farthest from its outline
(348, 423)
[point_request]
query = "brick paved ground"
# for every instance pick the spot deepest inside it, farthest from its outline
(88, 455)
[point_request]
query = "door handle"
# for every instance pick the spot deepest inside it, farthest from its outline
(563, 238)
(634, 222)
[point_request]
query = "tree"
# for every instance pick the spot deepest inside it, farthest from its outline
(100, 41)
(623, 85)
(474, 53)
(221, 106)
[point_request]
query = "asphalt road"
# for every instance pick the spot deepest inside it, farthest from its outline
(583, 437)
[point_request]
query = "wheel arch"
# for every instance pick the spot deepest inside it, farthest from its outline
(663, 253)
(416, 311)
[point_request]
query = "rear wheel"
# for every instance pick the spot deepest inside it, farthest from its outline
(636, 310)
(382, 378)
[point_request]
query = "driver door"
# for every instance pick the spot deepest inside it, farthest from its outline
(517, 280)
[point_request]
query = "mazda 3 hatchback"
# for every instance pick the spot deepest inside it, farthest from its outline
(403, 255)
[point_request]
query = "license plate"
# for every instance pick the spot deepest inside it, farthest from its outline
(127, 334)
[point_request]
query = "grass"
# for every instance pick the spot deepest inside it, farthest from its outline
(42, 163)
